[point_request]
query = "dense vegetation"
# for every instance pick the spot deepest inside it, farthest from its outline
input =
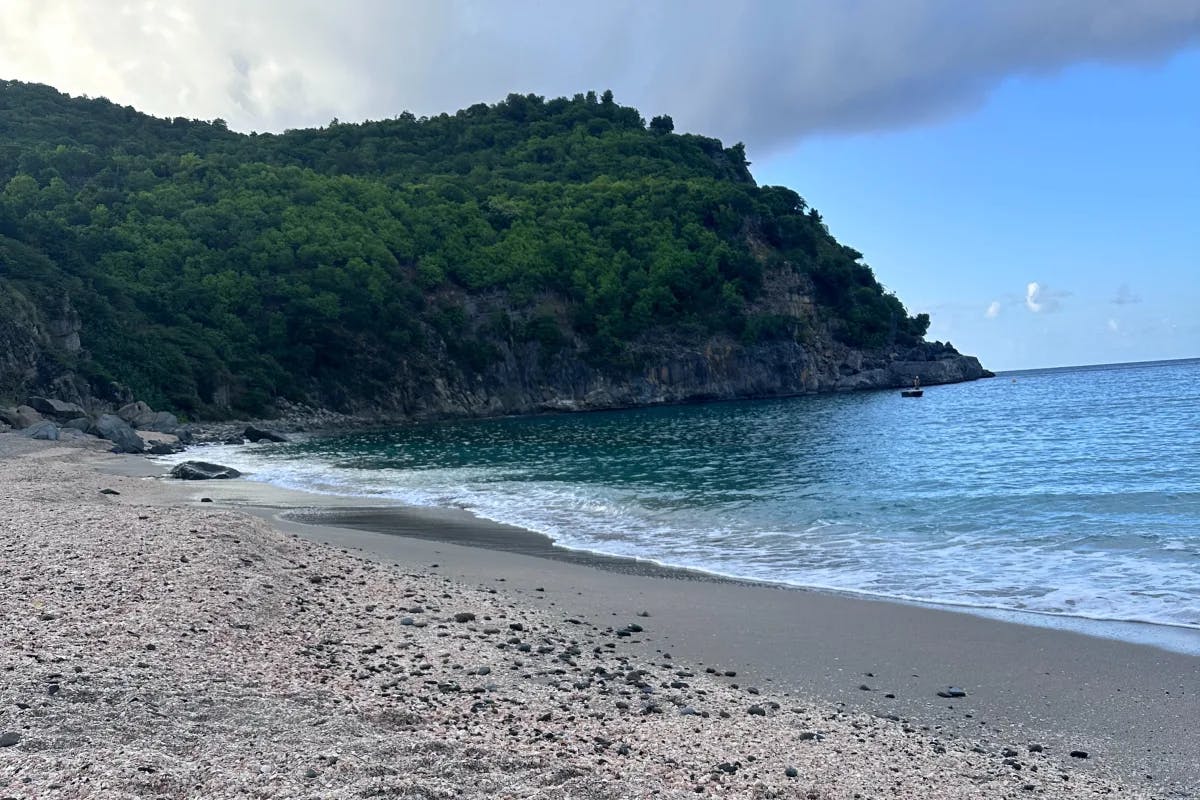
(199, 258)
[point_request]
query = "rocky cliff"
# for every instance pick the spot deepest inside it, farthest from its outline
(666, 368)
(523, 377)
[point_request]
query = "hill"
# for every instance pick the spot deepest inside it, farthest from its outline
(507, 258)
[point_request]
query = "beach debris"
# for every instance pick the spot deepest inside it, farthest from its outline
(109, 491)
(202, 471)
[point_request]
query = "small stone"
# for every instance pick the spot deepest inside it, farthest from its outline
(792, 772)
(952, 691)
(311, 773)
(9, 738)
(1079, 754)
(464, 616)
(109, 491)
(1036, 748)
(756, 711)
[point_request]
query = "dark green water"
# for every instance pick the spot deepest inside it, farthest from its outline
(1072, 492)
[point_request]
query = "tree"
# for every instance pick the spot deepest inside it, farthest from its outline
(662, 124)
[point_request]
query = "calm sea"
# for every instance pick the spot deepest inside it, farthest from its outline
(1069, 492)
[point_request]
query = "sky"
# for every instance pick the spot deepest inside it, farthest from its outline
(1025, 171)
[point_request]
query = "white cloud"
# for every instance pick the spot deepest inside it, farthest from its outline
(993, 310)
(763, 72)
(1113, 326)
(1039, 298)
(1032, 292)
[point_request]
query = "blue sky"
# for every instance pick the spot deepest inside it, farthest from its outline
(1086, 182)
(1025, 171)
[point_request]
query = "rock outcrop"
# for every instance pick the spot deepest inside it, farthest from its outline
(202, 471)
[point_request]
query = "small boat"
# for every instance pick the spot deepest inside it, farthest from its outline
(912, 393)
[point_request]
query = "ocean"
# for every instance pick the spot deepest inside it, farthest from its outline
(1058, 494)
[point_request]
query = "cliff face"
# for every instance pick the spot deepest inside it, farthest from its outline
(671, 368)
(718, 369)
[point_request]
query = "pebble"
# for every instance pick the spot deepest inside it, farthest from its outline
(9, 738)
(1079, 754)
(952, 691)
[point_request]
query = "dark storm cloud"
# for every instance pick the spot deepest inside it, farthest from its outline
(767, 73)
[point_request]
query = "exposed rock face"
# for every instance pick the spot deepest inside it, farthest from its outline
(202, 471)
(525, 377)
(720, 368)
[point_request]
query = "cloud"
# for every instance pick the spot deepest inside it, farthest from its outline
(767, 73)
(1113, 325)
(1039, 298)
(993, 310)
(1125, 296)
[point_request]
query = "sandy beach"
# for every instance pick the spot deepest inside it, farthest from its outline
(157, 646)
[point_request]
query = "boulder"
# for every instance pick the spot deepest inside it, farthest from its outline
(20, 417)
(165, 448)
(79, 424)
(143, 418)
(262, 434)
(202, 471)
(131, 411)
(117, 431)
(45, 429)
(56, 409)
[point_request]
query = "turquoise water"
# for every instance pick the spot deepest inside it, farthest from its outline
(1072, 492)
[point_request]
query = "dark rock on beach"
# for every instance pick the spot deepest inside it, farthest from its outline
(118, 431)
(202, 471)
(256, 434)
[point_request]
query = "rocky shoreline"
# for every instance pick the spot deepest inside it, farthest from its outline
(153, 647)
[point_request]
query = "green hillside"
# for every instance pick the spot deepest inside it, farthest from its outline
(213, 271)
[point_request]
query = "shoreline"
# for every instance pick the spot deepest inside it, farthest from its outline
(800, 658)
(1046, 681)
(466, 528)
